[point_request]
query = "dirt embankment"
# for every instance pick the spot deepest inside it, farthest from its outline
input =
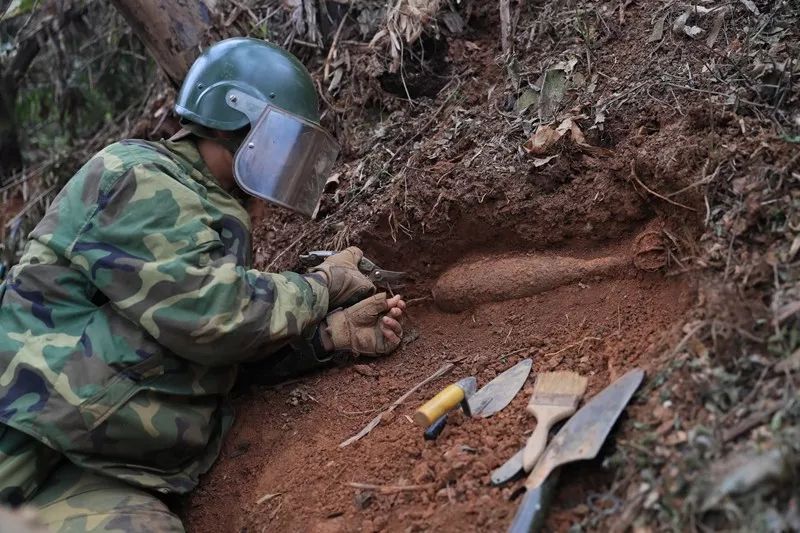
(465, 202)
(283, 450)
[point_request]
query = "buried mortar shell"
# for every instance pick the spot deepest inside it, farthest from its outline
(508, 278)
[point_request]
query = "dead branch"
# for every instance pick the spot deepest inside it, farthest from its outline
(506, 31)
(654, 193)
(390, 489)
(377, 420)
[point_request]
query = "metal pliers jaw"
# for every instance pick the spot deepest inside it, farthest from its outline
(377, 275)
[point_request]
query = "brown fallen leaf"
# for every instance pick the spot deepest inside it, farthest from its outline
(545, 138)
(790, 364)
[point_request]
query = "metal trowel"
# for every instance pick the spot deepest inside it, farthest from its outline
(491, 398)
(580, 438)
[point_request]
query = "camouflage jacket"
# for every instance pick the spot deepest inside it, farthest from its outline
(122, 326)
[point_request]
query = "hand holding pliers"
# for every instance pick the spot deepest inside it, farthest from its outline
(377, 275)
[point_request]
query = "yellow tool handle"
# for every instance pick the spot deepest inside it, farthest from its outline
(437, 406)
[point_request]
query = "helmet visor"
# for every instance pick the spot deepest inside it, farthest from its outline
(286, 160)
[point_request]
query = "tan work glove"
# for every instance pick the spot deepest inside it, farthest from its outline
(346, 284)
(357, 328)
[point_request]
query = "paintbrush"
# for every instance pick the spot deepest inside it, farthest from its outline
(555, 397)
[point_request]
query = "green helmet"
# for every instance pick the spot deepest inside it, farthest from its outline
(286, 155)
(260, 69)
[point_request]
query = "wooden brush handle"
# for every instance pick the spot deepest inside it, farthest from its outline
(546, 416)
(535, 446)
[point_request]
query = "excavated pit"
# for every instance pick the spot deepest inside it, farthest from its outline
(469, 202)
(599, 311)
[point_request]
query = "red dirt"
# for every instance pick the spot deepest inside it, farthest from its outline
(600, 329)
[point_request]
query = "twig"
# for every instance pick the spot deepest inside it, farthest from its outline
(267, 497)
(567, 347)
(717, 93)
(328, 102)
(705, 180)
(390, 489)
(654, 193)
(269, 266)
(274, 513)
(750, 422)
(691, 333)
(30, 205)
(377, 420)
(506, 31)
(326, 69)
(509, 354)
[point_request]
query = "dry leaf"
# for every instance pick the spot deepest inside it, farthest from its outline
(693, 31)
(542, 140)
(749, 4)
(790, 364)
(658, 30)
(553, 90)
(680, 25)
(545, 138)
(528, 98)
(715, 28)
(680, 22)
(542, 161)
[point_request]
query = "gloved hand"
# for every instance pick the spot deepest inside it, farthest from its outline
(370, 327)
(346, 284)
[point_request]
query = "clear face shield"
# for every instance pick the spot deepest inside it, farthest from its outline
(285, 159)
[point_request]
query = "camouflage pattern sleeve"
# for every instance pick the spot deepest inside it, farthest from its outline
(152, 245)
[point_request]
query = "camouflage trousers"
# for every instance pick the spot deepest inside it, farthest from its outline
(67, 498)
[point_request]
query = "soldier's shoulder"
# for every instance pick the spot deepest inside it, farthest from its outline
(128, 153)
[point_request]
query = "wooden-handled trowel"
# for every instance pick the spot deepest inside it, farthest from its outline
(490, 399)
(579, 439)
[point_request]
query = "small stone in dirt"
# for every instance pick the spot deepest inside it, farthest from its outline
(411, 336)
(241, 449)
(363, 499)
(366, 370)
(457, 462)
(422, 473)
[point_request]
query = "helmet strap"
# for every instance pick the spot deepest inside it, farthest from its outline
(231, 140)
